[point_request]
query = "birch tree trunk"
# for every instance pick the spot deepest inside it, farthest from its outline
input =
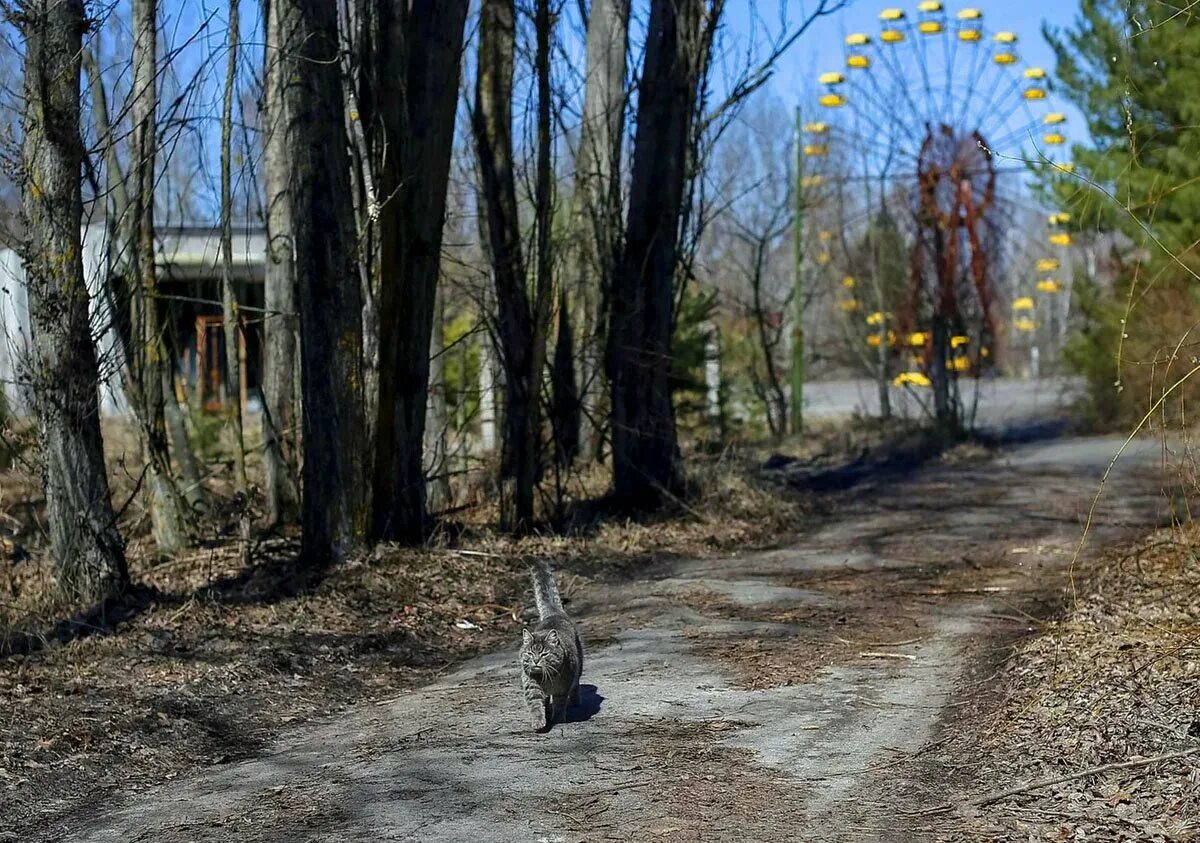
(87, 549)
(335, 513)
(413, 127)
(279, 294)
(597, 208)
(436, 453)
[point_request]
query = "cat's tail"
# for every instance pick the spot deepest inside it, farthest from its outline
(545, 590)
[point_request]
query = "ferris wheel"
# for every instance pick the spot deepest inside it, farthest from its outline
(939, 114)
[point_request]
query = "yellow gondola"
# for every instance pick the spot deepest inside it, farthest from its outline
(1059, 218)
(848, 282)
(824, 235)
(812, 181)
(1049, 285)
(816, 128)
(1023, 303)
(911, 379)
(959, 340)
(1035, 93)
(1034, 73)
(1005, 58)
(1066, 166)
(824, 258)
(858, 62)
(969, 35)
(816, 150)
(970, 14)
(877, 318)
(892, 14)
(832, 100)
(929, 27)
(1060, 239)
(1054, 138)
(1054, 118)
(850, 305)
(874, 340)
(1025, 324)
(917, 338)
(1048, 265)
(858, 39)
(929, 6)
(961, 363)
(891, 36)
(833, 77)
(1005, 37)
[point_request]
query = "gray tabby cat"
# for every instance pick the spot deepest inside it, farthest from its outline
(551, 654)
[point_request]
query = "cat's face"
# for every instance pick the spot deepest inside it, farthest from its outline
(542, 653)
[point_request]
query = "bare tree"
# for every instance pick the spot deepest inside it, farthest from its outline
(596, 212)
(150, 366)
(645, 450)
(411, 132)
(279, 293)
(229, 301)
(522, 325)
(88, 551)
(335, 512)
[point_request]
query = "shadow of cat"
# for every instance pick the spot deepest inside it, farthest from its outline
(589, 705)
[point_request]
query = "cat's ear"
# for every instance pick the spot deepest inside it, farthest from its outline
(552, 638)
(526, 637)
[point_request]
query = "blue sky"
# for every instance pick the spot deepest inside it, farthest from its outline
(822, 48)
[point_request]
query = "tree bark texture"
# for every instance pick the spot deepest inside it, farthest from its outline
(411, 131)
(645, 451)
(597, 208)
(492, 124)
(152, 377)
(87, 548)
(335, 513)
(279, 294)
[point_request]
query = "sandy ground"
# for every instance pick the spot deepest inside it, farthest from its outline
(795, 694)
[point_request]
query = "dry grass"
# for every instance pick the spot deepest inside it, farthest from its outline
(1116, 678)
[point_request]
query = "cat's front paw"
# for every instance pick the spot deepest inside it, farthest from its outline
(540, 723)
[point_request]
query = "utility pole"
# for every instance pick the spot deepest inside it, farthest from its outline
(797, 409)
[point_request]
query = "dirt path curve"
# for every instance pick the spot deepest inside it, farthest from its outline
(727, 700)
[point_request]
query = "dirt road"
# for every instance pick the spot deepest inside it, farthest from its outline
(797, 694)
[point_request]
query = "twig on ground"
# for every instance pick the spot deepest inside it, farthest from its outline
(996, 796)
(872, 654)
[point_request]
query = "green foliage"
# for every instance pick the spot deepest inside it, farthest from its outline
(462, 369)
(1133, 68)
(689, 342)
(1091, 351)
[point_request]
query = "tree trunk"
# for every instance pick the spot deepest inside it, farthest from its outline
(87, 549)
(229, 301)
(597, 207)
(645, 451)
(422, 46)
(279, 294)
(151, 360)
(565, 410)
(334, 510)
(436, 453)
(492, 121)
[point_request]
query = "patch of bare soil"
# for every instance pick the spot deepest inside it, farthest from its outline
(1114, 681)
(797, 641)
(691, 789)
